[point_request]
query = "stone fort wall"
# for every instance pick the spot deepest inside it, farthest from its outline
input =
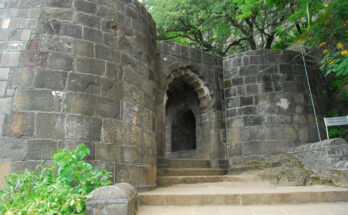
(63, 84)
(83, 71)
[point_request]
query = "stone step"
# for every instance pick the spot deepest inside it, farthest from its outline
(240, 194)
(183, 163)
(335, 208)
(191, 172)
(171, 180)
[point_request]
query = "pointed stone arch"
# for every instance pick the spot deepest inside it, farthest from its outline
(199, 85)
(203, 111)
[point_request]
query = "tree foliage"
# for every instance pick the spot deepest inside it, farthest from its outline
(224, 27)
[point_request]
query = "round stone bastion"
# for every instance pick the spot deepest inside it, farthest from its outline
(63, 84)
(268, 105)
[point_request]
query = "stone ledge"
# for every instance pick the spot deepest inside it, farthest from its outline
(318, 145)
(120, 199)
(327, 158)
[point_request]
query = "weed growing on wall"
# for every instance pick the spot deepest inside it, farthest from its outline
(60, 187)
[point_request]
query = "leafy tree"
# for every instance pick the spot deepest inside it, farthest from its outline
(223, 26)
(227, 26)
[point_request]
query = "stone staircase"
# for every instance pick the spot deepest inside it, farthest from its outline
(186, 184)
(189, 171)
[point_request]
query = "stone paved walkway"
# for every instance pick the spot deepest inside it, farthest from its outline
(304, 209)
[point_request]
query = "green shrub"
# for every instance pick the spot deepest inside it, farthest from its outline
(59, 188)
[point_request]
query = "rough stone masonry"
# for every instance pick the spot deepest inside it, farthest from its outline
(91, 72)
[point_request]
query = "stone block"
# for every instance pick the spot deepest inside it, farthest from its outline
(39, 100)
(103, 52)
(246, 101)
(105, 12)
(19, 34)
(252, 89)
(241, 91)
(248, 70)
(258, 59)
(59, 3)
(107, 152)
(237, 81)
(88, 20)
(9, 59)
(41, 149)
(264, 148)
(124, 195)
(14, 46)
(131, 114)
(133, 135)
(84, 48)
(148, 120)
(21, 77)
(71, 30)
(50, 126)
(108, 26)
(12, 149)
(230, 92)
(149, 140)
(253, 120)
(300, 119)
(93, 35)
(233, 103)
(113, 131)
(252, 133)
(4, 74)
(131, 78)
(129, 155)
(231, 113)
(303, 134)
(58, 61)
(250, 110)
(51, 80)
(80, 104)
(233, 136)
(290, 133)
(129, 64)
(133, 94)
(90, 65)
(274, 133)
(112, 71)
(235, 123)
(10, 92)
(111, 89)
(83, 83)
(33, 59)
(18, 166)
(5, 104)
(50, 27)
(56, 43)
(85, 6)
(148, 87)
(5, 170)
(145, 157)
(83, 128)
(19, 124)
(59, 14)
(108, 108)
(3, 85)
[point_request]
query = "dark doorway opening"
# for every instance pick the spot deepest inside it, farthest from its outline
(184, 131)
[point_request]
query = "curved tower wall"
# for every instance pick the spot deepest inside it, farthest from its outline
(268, 108)
(72, 72)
